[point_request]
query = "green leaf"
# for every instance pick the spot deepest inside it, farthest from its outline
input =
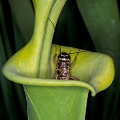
(56, 103)
(6, 87)
(103, 23)
(23, 17)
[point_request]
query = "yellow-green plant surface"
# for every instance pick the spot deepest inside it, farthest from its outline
(95, 69)
(33, 67)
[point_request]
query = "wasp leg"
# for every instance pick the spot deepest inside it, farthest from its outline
(56, 76)
(73, 78)
(54, 60)
(73, 63)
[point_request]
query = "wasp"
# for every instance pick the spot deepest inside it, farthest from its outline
(64, 66)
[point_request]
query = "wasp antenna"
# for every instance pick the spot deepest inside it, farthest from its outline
(78, 51)
(73, 52)
(60, 49)
(110, 50)
(105, 49)
(51, 22)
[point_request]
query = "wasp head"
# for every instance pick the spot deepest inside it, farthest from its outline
(64, 57)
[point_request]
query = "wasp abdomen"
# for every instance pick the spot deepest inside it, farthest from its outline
(63, 67)
(63, 71)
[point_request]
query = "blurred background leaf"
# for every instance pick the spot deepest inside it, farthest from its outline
(102, 21)
(82, 24)
(14, 34)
